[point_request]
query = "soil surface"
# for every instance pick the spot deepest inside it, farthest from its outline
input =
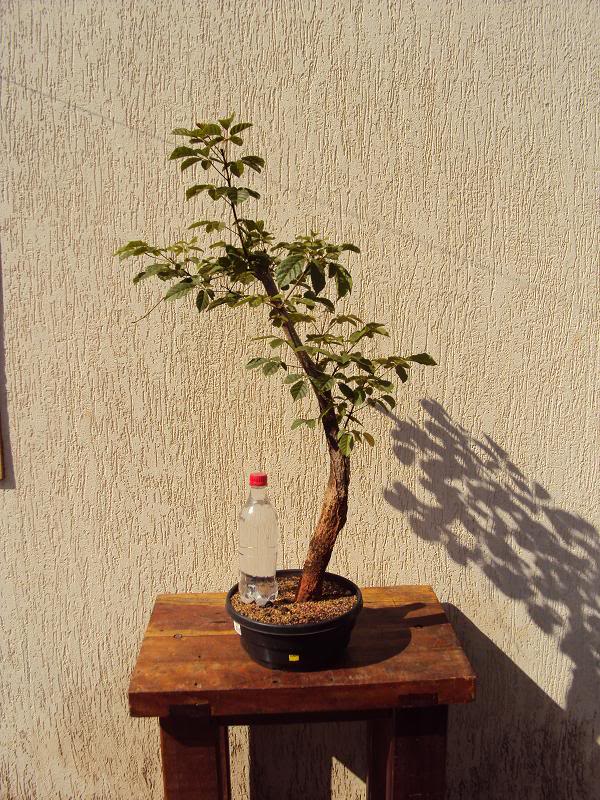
(335, 601)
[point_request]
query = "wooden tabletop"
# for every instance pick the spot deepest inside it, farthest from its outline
(403, 652)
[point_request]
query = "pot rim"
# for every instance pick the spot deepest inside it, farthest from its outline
(304, 628)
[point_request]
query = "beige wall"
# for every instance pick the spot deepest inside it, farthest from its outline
(454, 141)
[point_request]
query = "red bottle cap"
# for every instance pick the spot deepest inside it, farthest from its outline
(258, 479)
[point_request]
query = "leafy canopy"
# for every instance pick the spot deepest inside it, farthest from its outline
(299, 283)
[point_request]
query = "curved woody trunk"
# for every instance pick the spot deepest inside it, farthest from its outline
(331, 521)
(335, 502)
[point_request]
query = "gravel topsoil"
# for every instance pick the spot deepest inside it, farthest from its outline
(335, 600)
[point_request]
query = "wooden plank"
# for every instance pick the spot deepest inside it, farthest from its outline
(407, 755)
(403, 647)
(195, 758)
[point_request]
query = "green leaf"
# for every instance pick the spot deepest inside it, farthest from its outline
(343, 281)
(317, 277)
(210, 129)
(236, 196)
(276, 342)
(423, 358)
(202, 300)
(311, 423)
(325, 301)
(358, 397)
(256, 362)
(341, 318)
(215, 225)
(345, 442)
(363, 363)
(179, 289)
(225, 123)
(299, 390)
(401, 373)
(357, 335)
(289, 269)
(216, 192)
(368, 438)
(381, 330)
(369, 330)
(130, 246)
(254, 162)
(220, 301)
(347, 246)
(377, 403)
(324, 382)
(197, 189)
(189, 162)
(272, 365)
(293, 377)
(236, 140)
(182, 151)
(241, 126)
(296, 316)
(209, 225)
(136, 248)
(237, 167)
(159, 268)
(183, 132)
(304, 301)
(389, 400)
(346, 391)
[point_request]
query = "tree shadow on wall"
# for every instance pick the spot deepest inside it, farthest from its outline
(485, 511)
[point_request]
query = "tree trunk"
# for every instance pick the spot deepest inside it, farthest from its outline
(331, 522)
(335, 502)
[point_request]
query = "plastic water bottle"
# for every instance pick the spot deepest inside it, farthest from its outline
(258, 534)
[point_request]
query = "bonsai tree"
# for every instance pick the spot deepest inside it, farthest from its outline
(313, 346)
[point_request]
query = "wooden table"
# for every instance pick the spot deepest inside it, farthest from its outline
(403, 667)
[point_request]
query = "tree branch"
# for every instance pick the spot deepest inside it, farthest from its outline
(265, 276)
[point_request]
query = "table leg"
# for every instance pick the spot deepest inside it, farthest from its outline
(195, 759)
(407, 755)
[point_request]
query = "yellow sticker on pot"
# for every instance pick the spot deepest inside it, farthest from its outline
(293, 657)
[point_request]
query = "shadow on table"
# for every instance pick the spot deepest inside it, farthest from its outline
(474, 503)
(394, 635)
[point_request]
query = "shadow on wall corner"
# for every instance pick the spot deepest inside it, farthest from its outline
(538, 554)
(7, 479)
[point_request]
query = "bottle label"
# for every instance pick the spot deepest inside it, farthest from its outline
(292, 657)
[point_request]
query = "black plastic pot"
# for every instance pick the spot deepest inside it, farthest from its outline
(313, 645)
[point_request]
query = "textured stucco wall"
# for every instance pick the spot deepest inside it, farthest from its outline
(454, 141)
